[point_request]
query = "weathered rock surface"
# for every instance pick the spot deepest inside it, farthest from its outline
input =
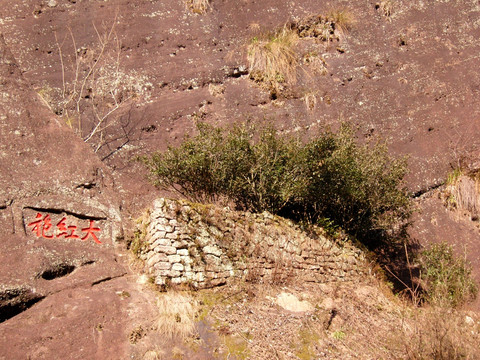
(63, 283)
(409, 74)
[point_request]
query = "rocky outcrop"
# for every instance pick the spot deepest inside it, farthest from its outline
(47, 171)
(206, 246)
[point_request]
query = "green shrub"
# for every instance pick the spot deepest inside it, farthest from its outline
(448, 278)
(355, 186)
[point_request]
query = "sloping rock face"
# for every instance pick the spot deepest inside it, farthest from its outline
(205, 246)
(62, 279)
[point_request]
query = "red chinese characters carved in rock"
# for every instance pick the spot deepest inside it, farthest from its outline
(43, 227)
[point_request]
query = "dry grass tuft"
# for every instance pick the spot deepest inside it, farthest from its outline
(272, 59)
(177, 314)
(441, 334)
(463, 192)
(198, 6)
(466, 193)
(386, 7)
(310, 99)
(343, 19)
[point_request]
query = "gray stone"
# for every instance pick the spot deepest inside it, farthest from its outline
(182, 252)
(174, 258)
(213, 250)
(177, 267)
(169, 250)
(178, 280)
(163, 265)
(174, 222)
(161, 242)
(160, 280)
(173, 236)
(156, 258)
(186, 259)
(199, 276)
(162, 272)
(190, 275)
(180, 244)
(166, 228)
(174, 273)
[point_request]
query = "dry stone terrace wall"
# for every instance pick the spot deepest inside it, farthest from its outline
(205, 246)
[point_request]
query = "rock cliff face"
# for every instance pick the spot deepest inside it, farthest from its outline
(143, 73)
(61, 267)
(204, 246)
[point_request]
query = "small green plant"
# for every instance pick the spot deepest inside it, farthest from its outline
(339, 335)
(453, 176)
(308, 339)
(448, 278)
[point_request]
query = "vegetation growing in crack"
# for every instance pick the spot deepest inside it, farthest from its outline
(273, 57)
(357, 187)
(198, 6)
(448, 279)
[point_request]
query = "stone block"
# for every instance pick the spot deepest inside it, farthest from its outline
(174, 235)
(217, 282)
(156, 258)
(162, 273)
(174, 258)
(213, 268)
(158, 235)
(186, 259)
(162, 265)
(182, 252)
(162, 242)
(166, 228)
(177, 267)
(169, 250)
(160, 280)
(174, 222)
(212, 259)
(210, 275)
(178, 280)
(174, 273)
(180, 244)
(199, 276)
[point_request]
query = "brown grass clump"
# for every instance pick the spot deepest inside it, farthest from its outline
(440, 334)
(272, 58)
(176, 314)
(198, 6)
(463, 192)
(343, 19)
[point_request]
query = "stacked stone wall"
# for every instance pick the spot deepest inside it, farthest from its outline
(206, 246)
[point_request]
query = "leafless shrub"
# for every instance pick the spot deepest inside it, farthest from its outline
(94, 84)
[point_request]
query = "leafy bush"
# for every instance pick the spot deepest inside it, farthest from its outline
(331, 176)
(448, 278)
